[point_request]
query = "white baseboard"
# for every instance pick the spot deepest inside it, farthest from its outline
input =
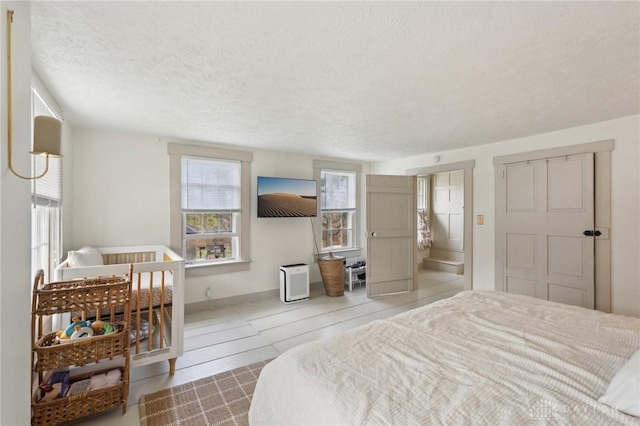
(207, 305)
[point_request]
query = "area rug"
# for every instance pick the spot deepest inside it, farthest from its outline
(222, 399)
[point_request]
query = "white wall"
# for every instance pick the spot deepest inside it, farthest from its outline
(15, 224)
(120, 190)
(625, 198)
(121, 197)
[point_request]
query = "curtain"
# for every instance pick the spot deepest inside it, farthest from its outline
(424, 233)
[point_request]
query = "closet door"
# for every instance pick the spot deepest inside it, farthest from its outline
(543, 209)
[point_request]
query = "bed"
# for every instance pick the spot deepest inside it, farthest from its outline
(479, 357)
(157, 305)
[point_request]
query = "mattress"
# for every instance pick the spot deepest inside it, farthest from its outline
(476, 358)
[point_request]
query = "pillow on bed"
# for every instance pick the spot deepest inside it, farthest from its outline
(86, 256)
(623, 392)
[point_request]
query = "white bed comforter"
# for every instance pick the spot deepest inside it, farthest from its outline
(477, 358)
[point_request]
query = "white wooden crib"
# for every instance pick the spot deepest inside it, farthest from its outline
(157, 298)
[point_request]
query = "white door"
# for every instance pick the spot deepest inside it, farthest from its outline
(447, 219)
(391, 234)
(545, 208)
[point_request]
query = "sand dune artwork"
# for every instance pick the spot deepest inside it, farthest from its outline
(281, 197)
(285, 205)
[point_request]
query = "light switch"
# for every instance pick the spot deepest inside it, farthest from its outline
(480, 219)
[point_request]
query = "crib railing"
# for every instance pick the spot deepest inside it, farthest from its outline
(156, 299)
(131, 257)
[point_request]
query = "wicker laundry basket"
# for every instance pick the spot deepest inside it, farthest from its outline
(332, 271)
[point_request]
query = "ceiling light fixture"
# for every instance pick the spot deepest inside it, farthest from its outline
(46, 130)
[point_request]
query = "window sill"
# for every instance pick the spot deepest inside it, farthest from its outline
(347, 253)
(206, 269)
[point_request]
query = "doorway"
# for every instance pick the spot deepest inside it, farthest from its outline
(448, 200)
(441, 221)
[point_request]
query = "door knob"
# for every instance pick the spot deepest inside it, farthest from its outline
(374, 234)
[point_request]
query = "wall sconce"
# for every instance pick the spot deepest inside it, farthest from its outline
(46, 130)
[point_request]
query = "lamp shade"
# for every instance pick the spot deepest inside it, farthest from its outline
(47, 135)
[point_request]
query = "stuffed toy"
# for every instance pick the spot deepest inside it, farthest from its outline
(81, 332)
(67, 332)
(79, 329)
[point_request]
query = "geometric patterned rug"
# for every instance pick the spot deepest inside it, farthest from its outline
(222, 399)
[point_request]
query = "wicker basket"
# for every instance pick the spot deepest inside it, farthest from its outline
(84, 404)
(51, 356)
(82, 294)
(79, 295)
(332, 271)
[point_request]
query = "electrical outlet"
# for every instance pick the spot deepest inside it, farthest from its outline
(209, 293)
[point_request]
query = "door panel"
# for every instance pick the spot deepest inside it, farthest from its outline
(567, 295)
(447, 228)
(388, 217)
(548, 205)
(521, 252)
(565, 185)
(565, 256)
(520, 286)
(521, 188)
(391, 234)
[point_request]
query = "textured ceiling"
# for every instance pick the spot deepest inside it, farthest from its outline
(356, 80)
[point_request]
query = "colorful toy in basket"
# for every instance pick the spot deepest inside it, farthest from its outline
(101, 327)
(81, 332)
(79, 329)
(68, 332)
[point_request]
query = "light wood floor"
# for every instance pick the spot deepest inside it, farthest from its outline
(225, 338)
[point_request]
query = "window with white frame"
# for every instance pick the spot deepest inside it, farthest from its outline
(46, 195)
(422, 192)
(338, 208)
(210, 204)
(339, 202)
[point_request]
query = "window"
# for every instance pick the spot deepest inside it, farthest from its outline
(211, 193)
(46, 196)
(338, 208)
(422, 192)
(210, 205)
(339, 201)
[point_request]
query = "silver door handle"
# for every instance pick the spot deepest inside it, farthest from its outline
(374, 234)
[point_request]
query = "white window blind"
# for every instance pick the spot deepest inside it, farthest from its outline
(48, 189)
(212, 185)
(338, 190)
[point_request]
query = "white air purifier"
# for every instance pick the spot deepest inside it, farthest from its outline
(294, 283)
